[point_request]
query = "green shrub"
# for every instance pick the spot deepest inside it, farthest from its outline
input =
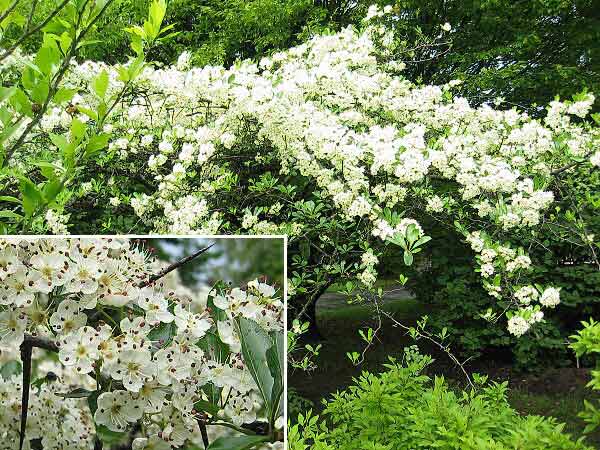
(404, 409)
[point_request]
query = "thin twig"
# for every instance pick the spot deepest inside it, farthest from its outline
(573, 164)
(444, 348)
(174, 266)
(28, 32)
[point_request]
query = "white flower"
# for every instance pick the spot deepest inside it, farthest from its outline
(152, 443)
(446, 27)
(240, 409)
(67, 317)
(152, 396)
(116, 410)
(8, 263)
(526, 294)
(133, 368)
(51, 270)
(80, 349)
(550, 297)
(18, 289)
(188, 322)
(518, 326)
(264, 289)
(12, 328)
(83, 275)
(155, 305)
(135, 333)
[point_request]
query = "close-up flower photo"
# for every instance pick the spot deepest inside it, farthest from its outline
(429, 170)
(118, 343)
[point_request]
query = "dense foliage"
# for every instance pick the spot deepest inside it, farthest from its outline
(402, 408)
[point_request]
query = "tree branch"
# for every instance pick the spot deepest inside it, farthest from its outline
(26, 361)
(173, 266)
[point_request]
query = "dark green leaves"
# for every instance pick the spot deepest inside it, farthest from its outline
(76, 393)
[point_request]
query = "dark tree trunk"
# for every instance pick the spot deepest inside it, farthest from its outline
(310, 315)
(313, 334)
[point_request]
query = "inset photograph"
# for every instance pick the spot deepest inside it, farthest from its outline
(142, 343)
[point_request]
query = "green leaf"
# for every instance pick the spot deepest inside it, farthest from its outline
(217, 349)
(255, 344)
(135, 68)
(78, 129)
(398, 239)
(97, 143)
(88, 112)
(5, 214)
(110, 437)
(9, 198)
(7, 92)
(64, 95)
(75, 393)
(408, 258)
(237, 442)
(32, 197)
(276, 363)
(422, 241)
(52, 189)
(20, 102)
(163, 333)
(412, 233)
(100, 84)
(210, 408)
(10, 368)
(60, 141)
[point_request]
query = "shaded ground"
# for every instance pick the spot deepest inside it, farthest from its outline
(557, 392)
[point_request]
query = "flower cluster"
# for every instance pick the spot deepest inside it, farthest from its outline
(148, 346)
(334, 111)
